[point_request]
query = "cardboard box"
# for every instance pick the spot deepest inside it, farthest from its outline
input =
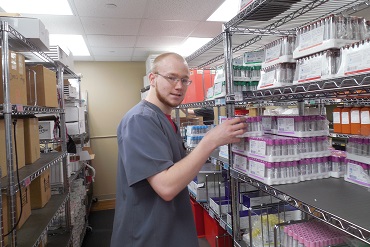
(20, 146)
(26, 208)
(46, 130)
(31, 140)
(40, 190)
(46, 86)
(17, 79)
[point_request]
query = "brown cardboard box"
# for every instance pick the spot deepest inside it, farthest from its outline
(20, 146)
(40, 190)
(17, 83)
(46, 87)
(31, 140)
(26, 208)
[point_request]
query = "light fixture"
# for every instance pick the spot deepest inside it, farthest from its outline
(191, 45)
(111, 5)
(75, 43)
(226, 11)
(55, 7)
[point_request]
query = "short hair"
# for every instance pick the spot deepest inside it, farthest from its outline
(162, 56)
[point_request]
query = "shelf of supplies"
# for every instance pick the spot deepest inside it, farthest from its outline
(37, 223)
(334, 201)
(289, 17)
(59, 238)
(29, 172)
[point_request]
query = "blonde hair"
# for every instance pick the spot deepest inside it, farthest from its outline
(159, 59)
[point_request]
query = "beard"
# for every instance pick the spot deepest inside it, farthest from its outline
(164, 100)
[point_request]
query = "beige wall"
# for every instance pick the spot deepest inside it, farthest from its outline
(113, 88)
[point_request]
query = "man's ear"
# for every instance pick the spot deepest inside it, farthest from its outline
(152, 79)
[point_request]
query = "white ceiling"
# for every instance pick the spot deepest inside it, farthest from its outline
(135, 28)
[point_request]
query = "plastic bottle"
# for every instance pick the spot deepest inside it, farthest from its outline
(365, 121)
(355, 120)
(337, 120)
(346, 120)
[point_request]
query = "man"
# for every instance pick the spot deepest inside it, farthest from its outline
(152, 200)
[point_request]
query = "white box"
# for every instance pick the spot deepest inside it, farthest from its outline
(46, 130)
(65, 57)
(149, 62)
(76, 128)
(74, 113)
(32, 29)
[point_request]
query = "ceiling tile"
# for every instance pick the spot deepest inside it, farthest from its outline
(139, 59)
(110, 26)
(125, 9)
(113, 58)
(111, 41)
(114, 52)
(158, 41)
(145, 52)
(181, 10)
(167, 28)
(207, 29)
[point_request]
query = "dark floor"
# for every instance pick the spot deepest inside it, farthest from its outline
(101, 223)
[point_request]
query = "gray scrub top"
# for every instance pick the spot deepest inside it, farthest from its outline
(147, 145)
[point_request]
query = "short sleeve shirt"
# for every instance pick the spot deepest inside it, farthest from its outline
(147, 145)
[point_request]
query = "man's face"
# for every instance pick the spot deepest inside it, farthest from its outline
(170, 87)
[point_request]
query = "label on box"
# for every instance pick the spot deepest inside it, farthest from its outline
(357, 173)
(365, 117)
(266, 123)
(285, 124)
(336, 117)
(257, 168)
(257, 147)
(267, 78)
(273, 53)
(310, 69)
(312, 38)
(218, 88)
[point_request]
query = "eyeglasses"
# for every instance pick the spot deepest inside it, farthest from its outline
(175, 80)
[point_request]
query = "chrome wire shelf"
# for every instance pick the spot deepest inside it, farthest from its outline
(313, 202)
(331, 88)
(210, 103)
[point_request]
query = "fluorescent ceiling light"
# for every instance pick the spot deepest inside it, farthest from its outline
(190, 46)
(226, 11)
(49, 7)
(75, 43)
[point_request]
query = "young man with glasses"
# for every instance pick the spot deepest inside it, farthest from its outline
(152, 200)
